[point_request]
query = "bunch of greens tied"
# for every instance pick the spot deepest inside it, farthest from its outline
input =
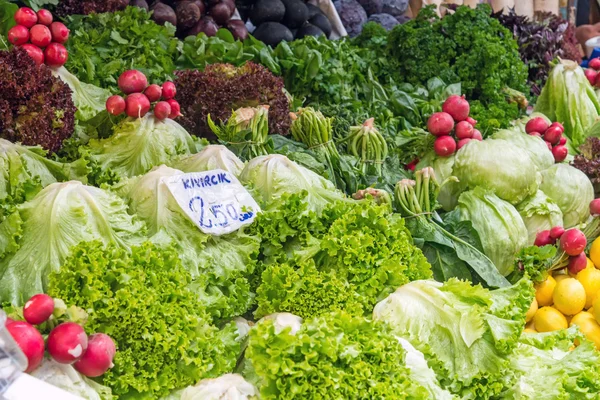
(246, 132)
(367, 144)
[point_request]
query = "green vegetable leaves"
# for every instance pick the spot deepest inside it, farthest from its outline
(7, 21)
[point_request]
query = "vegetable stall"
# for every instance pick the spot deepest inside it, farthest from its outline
(227, 200)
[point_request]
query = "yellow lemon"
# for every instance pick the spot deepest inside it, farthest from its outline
(590, 328)
(532, 309)
(591, 310)
(579, 317)
(590, 263)
(596, 308)
(560, 277)
(544, 291)
(590, 279)
(548, 319)
(595, 252)
(569, 296)
(530, 330)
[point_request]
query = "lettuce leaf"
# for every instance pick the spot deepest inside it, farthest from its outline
(165, 338)
(539, 213)
(38, 236)
(467, 333)
(135, 147)
(335, 356)
(89, 99)
(214, 156)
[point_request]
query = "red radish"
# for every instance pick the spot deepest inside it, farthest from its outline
(153, 92)
(18, 35)
(9, 321)
(444, 146)
(594, 63)
(464, 130)
(557, 232)
(56, 55)
(559, 126)
(457, 106)
(38, 309)
(562, 141)
(162, 110)
(132, 81)
(537, 124)
(477, 135)
(552, 135)
(175, 108)
(595, 207)
(29, 340)
(44, 17)
(440, 124)
(34, 52)
(98, 357)
(573, 242)
(535, 134)
(168, 90)
(60, 32)
(471, 121)
(560, 153)
(463, 142)
(67, 343)
(577, 263)
(597, 82)
(137, 105)
(590, 74)
(412, 165)
(549, 145)
(543, 238)
(40, 35)
(26, 16)
(115, 105)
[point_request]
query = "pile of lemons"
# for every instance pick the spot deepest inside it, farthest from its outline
(564, 299)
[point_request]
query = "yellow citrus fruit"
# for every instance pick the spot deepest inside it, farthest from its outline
(560, 277)
(532, 309)
(544, 291)
(580, 317)
(595, 252)
(569, 296)
(528, 330)
(590, 279)
(596, 308)
(591, 310)
(590, 263)
(590, 328)
(548, 319)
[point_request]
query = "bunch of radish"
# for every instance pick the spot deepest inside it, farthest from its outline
(592, 72)
(452, 126)
(40, 37)
(67, 343)
(140, 97)
(571, 241)
(552, 135)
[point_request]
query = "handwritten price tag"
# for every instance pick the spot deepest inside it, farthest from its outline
(215, 200)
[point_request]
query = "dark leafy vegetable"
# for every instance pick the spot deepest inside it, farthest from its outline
(71, 7)
(102, 46)
(588, 161)
(36, 108)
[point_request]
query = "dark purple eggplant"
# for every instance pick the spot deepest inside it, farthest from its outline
(238, 29)
(162, 13)
(221, 13)
(188, 15)
(140, 3)
(206, 25)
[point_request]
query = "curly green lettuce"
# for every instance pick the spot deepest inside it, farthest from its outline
(334, 356)
(467, 333)
(348, 258)
(165, 337)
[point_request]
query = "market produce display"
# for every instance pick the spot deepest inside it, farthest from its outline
(260, 212)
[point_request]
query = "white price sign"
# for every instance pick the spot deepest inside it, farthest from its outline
(215, 200)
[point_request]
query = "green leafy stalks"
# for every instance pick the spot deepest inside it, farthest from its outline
(246, 132)
(450, 254)
(164, 336)
(366, 143)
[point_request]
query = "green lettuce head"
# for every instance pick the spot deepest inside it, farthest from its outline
(39, 235)
(533, 145)
(499, 166)
(136, 146)
(571, 190)
(539, 213)
(499, 225)
(214, 156)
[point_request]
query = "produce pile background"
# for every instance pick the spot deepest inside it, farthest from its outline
(428, 222)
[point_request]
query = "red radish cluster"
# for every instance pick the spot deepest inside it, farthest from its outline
(41, 38)
(141, 96)
(454, 117)
(552, 135)
(572, 242)
(592, 72)
(67, 343)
